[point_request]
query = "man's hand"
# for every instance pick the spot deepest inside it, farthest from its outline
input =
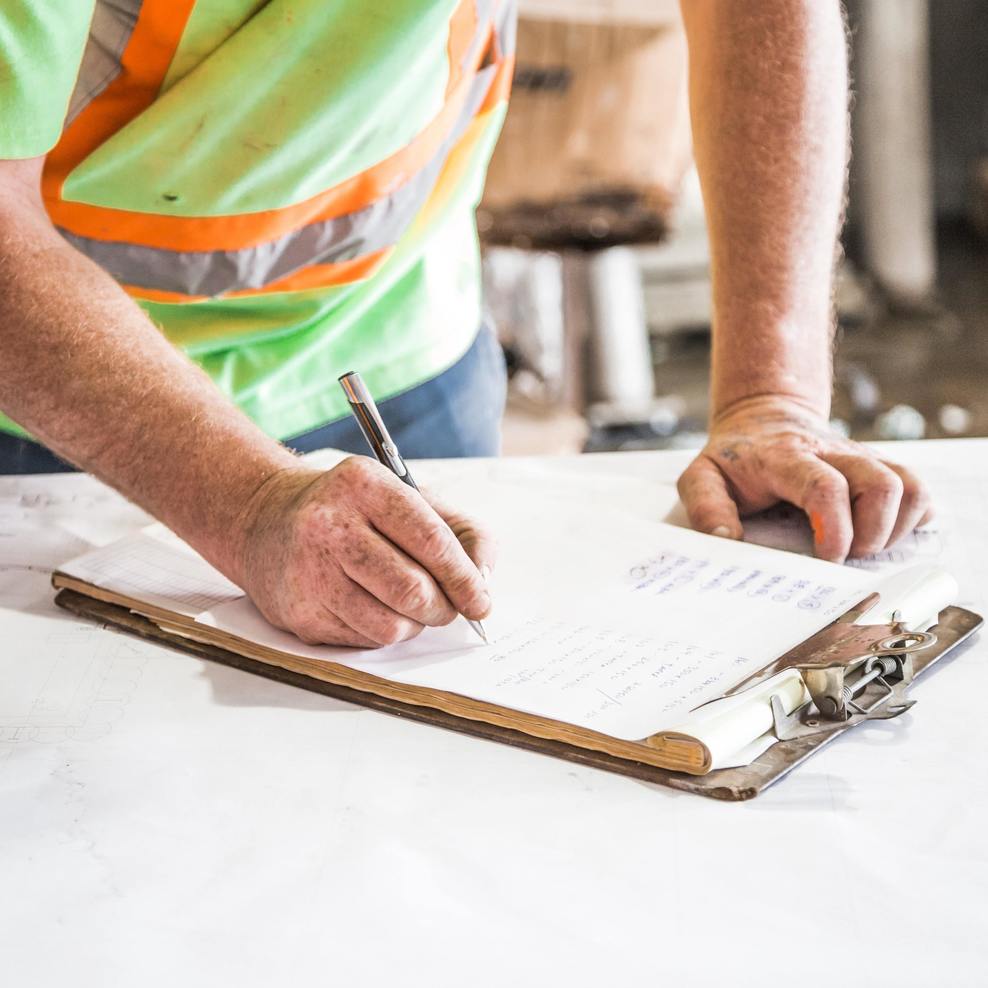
(770, 449)
(768, 93)
(353, 556)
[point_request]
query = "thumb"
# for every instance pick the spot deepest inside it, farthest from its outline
(707, 499)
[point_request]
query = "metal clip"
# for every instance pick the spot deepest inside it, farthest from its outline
(839, 698)
(394, 458)
(834, 687)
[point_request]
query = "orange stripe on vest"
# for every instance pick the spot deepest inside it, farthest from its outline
(347, 272)
(462, 30)
(113, 108)
(143, 66)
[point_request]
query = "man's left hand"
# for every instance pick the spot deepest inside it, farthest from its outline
(769, 449)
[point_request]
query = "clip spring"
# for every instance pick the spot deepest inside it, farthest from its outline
(835, 700)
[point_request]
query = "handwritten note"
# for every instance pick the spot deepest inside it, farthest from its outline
(592, 675)
(600, 620)
(603, 620)
(673, 571)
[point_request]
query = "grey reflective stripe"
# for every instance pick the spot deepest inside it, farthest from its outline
(485, 15)
(110, 30)
(343, 238)
(503, 14)
(506, 26)
(485, 10)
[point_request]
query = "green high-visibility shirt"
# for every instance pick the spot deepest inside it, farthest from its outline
(286, 187)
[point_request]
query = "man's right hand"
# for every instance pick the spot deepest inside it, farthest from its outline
(352, 556)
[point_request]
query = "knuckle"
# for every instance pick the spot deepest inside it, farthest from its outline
(826, 488)
(447, 615)
(703, 501)
(390, 631)
(915, 497)
(687, 478)
(700, 467)
(472, 596)
(364, 483)
(704, 515)
(914, 513)
(869, 546)
(354, 469)
(860, 551)
(912, 494)
(415, 596)
(868, 542)
(437, 545)
(465, 581)
(886, 486)
(388, 635)
(923, 506)
(473, 536)
(691, 490)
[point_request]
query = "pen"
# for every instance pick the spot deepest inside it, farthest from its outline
(376, 433)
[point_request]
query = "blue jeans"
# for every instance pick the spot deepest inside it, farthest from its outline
(457, 413)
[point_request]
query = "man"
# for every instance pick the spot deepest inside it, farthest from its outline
(286, 189)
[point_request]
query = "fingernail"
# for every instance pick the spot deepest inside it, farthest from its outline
(722, 532)
(485, 573)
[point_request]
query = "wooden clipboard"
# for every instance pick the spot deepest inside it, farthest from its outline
(955, 625)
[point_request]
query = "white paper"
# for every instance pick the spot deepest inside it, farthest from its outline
(737, 729)
(624, 626)
(146, 797)
(156, 569)
(601, 620)
(913, 597)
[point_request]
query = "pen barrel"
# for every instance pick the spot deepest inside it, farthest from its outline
(365, 411)
(371, 424)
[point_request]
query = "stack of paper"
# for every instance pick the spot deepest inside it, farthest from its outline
(608, 631)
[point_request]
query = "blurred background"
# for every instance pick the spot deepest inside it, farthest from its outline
(595, 256)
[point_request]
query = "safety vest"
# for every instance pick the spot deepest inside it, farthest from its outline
(287, 186)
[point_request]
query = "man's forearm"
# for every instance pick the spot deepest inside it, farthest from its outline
(84, 370)
(768, 87)
(347, 556)
(768, 90)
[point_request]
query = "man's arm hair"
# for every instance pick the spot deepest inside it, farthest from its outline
(85, 371)
(769, 95)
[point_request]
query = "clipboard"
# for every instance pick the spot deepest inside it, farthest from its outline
(833, 664)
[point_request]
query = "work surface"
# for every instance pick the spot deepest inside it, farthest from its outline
(164, 820)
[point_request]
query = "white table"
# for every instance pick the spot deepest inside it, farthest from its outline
(167, 821)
